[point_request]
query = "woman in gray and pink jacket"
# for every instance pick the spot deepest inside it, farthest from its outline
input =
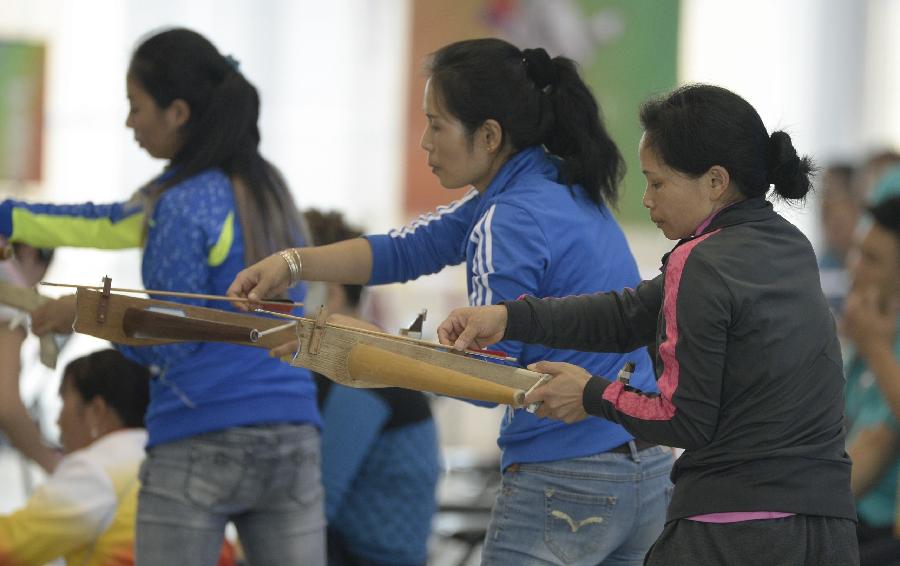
(746, 355)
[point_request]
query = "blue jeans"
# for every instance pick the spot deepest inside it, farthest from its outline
(604, 509)
(265, 479)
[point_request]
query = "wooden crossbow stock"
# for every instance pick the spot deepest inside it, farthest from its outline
(349, 356)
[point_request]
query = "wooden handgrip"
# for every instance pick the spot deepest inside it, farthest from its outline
(368, 363)
(148, 324)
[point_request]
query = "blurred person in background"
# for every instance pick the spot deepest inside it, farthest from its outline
(233, 434)
(524, 131)
(887, 186)
(380, 456)
(85, 510)
(840, 211)
(26, 269)
(871, 322)
(873, 170)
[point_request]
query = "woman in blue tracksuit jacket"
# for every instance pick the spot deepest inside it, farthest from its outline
(536, 223)
(233, 433)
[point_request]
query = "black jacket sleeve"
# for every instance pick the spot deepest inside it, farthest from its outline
(684, 414)
(604, 322)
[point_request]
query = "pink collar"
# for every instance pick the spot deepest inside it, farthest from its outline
(703, 225)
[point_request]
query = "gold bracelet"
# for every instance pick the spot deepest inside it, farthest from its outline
(292, 258)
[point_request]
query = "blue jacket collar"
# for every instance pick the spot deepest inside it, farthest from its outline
(532, 159)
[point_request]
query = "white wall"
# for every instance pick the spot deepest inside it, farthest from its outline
(800, 63)
(880, 82)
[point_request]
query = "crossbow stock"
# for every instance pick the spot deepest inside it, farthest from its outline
(349, 356)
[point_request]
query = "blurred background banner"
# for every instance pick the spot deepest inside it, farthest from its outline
(21, 110)
(625, 49)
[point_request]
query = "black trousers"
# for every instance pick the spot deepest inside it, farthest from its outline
(798, 540)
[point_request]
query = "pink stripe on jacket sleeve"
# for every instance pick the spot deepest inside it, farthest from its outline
(660, 407)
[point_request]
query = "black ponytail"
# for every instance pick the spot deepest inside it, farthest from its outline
(221, 132)
(698, 126)
(537, 101)
(789, 173)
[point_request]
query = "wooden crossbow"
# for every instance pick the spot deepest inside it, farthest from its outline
(28, 300)
(350, 356)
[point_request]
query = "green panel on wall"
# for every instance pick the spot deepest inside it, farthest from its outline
(636, 58)
(21, 110)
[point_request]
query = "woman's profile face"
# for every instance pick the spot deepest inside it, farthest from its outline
(678, 204)
(74, 428)
(155, 129)
(456, 159)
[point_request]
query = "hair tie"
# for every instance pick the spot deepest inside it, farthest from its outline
(540, 68)
(232, 62)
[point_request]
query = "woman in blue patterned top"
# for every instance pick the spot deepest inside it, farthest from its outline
(233, 433)
(524, 132)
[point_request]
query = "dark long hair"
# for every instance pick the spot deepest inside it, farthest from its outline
(221, 132)
(123, 384)
(537, 101)
(698, 126)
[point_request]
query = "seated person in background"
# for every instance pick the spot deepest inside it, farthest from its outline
(85, 511)
(839, 215)
(380, 460)
(873, 384)
(25, 270)
(887, 186)
(872, 171)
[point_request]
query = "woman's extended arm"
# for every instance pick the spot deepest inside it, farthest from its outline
(603, 322)
(348, 262)
(15, 421)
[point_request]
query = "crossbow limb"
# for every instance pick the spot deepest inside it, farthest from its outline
(349, 356)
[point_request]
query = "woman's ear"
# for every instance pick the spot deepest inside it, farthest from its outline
(491, 135)
(719, 181)
(100, 416)
(97, 406)
(178, 113)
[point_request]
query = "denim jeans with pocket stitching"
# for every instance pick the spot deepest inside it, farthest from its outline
(265, 479)
(605, 509)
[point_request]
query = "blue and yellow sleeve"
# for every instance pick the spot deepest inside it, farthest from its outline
(86, 225)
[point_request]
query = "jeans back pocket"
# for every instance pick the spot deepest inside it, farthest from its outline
(307, 464)
(575, 523)
(215, 474)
